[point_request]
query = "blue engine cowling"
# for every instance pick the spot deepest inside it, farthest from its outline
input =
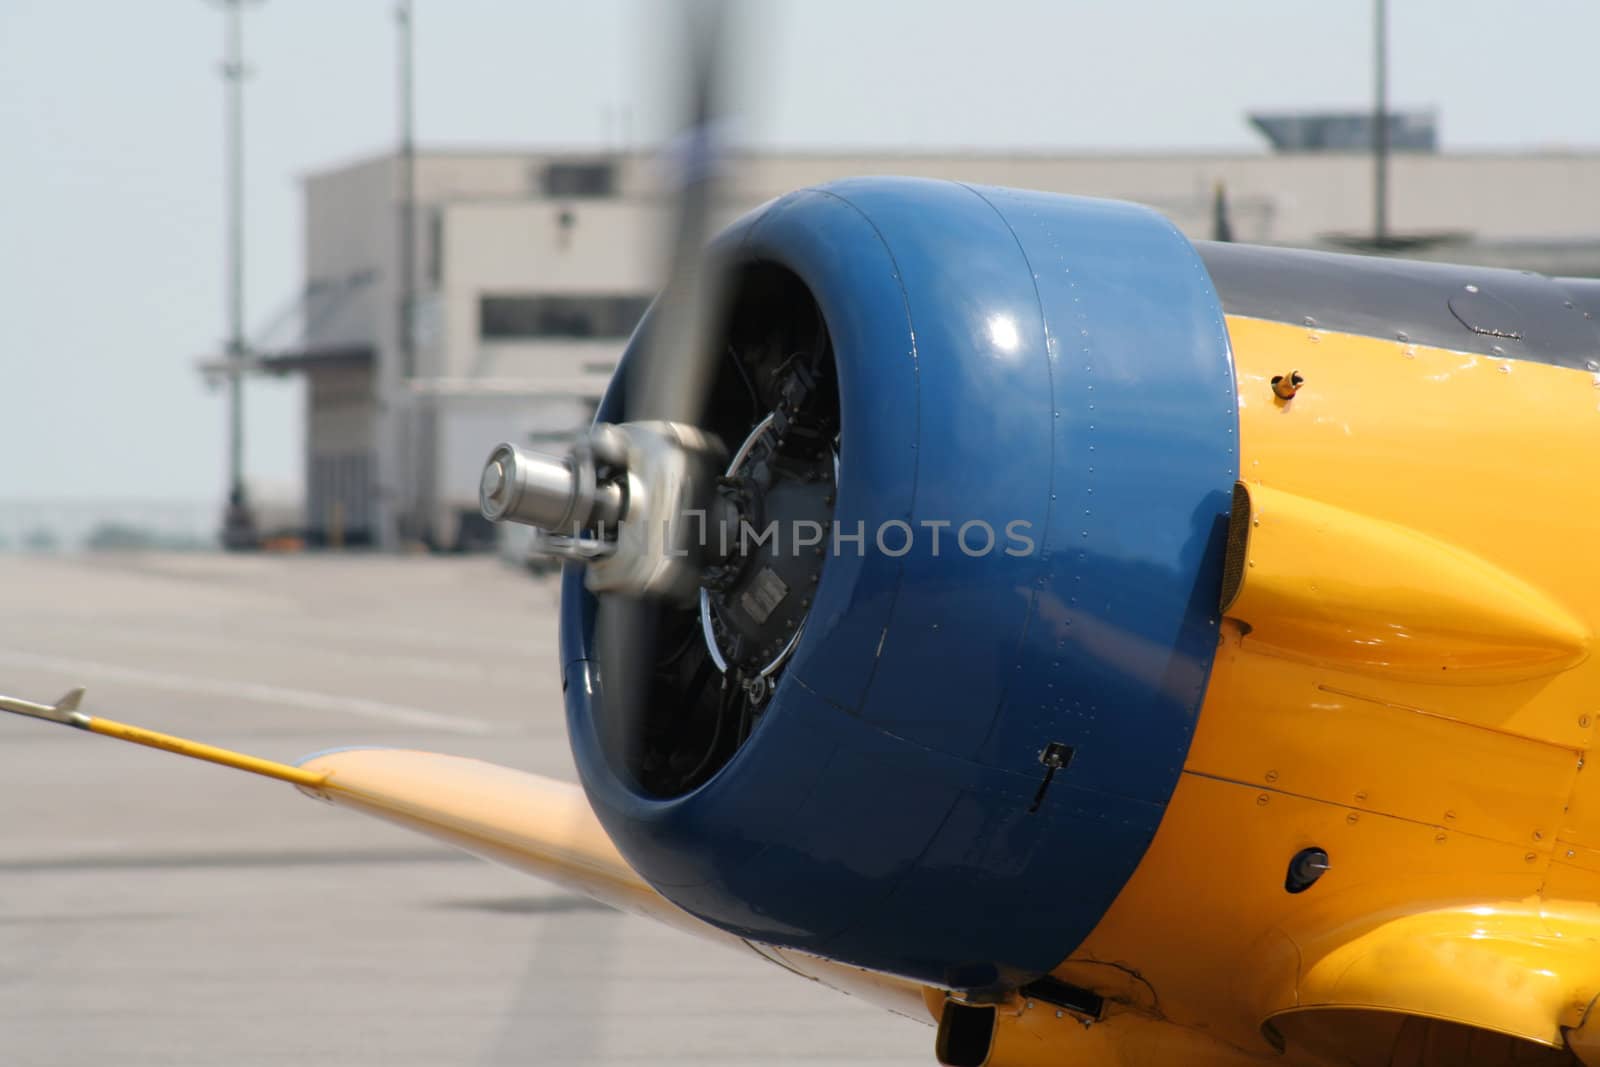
(1002, 356)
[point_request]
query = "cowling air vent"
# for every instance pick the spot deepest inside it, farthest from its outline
(1238, 545)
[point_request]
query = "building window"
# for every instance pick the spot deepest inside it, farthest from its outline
(579, 179)
(587, 317)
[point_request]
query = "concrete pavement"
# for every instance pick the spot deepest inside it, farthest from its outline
(158, 911)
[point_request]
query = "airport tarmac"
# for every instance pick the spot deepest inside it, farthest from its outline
(154, 910)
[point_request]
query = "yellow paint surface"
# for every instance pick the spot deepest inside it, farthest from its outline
(1451, 493)
(545, 828)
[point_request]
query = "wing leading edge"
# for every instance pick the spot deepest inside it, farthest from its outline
(524, 821)
(546, 828)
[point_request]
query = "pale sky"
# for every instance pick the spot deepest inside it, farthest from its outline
(111, 233)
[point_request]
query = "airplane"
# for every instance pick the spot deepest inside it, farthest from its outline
(1104, 647)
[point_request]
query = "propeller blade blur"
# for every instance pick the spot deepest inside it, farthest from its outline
(673, 374)
(625, 639)
(671, 380)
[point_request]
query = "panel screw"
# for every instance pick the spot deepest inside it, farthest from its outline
(1538, 835)
(1449, 815)
(1530, 857)
(1361, 796)
(1272, 776)
(1583, 721)
(1261, 801)
(1353, 818)
(1439, 838)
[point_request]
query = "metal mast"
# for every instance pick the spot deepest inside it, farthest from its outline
(408, 193)
(238, 525)
(407, 525)
(1380, 125)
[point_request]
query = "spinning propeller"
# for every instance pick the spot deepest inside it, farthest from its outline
(618, 500)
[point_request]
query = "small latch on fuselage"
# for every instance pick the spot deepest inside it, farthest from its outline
(1054, 757)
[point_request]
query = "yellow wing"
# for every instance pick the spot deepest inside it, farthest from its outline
(532, 824)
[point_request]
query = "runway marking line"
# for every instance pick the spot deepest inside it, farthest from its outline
(84, 671)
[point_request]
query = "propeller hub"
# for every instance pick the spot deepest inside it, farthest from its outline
(494, 486)
(632, 500)
(562, 496)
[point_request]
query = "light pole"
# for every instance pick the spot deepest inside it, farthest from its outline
(1380, 124)
(238, 521)
(408, 524)
(408, 191)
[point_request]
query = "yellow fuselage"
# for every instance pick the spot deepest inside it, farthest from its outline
(1436, 752)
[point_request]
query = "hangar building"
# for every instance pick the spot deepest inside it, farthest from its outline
(531, 267)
